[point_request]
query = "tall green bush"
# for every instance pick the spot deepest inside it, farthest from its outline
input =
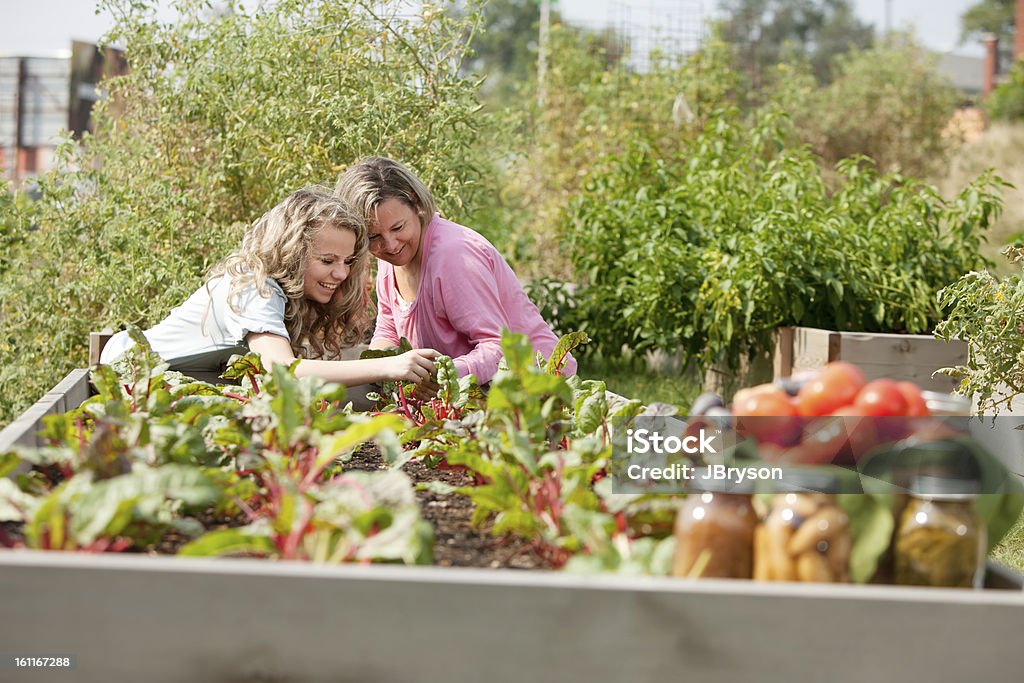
(888, 103)
(219, 118)
(594, 105)
(1007, 101)
(711, 249)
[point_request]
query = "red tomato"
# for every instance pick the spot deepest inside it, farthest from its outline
(837, 385)
(767, 415)
(881, 397)
(861, 434)
(822, 441)
(916, 406)
(743, 395)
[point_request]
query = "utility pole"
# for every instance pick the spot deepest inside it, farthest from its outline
(542, 52)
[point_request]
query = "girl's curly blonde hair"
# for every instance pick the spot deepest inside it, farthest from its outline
(277, 246)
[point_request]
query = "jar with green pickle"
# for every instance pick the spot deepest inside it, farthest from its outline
(715, 529)
(941, 539)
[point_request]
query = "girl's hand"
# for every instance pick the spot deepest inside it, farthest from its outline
(412, 366)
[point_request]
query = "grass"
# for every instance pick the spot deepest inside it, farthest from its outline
(631, 377)
(1010, 552)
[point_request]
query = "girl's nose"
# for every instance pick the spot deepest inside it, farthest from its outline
(340, 272)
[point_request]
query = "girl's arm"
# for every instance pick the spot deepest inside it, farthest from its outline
(412, 366)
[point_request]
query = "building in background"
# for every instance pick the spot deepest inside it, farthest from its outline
(43, 97)
(33, 112)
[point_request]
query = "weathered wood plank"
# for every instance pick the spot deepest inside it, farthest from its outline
(68, 394)
(782, 357)
(97, 340)
(897, 356)
(403, 624)
(812, 348)
(904, 357)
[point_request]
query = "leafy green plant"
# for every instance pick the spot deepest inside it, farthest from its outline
(889, 103)
(988, 313)
(219, 117)
(712, 249)
(1007, 101)
(126, 467)
(537, 449)
(131, 510)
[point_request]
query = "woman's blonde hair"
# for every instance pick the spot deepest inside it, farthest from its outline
(277, 246)
(373, 180)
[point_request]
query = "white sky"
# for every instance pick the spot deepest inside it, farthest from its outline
(47, 27)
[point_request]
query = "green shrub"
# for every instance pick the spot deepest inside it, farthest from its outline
(594, 105)
(13, 225)
(987, 312)
(710, 250)
(219, 118)
(1007, 101)
(888, 103)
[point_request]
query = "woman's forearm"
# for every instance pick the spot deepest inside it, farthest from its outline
(348, 372)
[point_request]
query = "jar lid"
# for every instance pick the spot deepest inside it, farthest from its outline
(946, 404)
(705, 480)
(944, 488)
(949, 459)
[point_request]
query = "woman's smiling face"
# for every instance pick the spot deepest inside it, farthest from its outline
(331, 255)
(395, 235)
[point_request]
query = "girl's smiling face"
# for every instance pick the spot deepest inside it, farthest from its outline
(331, 255)
(395, 235)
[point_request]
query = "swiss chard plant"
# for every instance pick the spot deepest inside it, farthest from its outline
(537, 449)
(152, 448)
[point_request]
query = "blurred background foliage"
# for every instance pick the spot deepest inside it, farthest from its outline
(227, 110)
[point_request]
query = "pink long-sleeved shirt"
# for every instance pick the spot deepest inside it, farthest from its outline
(467, 294)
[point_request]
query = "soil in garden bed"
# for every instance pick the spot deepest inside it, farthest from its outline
(457, 542)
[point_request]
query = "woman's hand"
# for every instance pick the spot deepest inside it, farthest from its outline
(412, 366)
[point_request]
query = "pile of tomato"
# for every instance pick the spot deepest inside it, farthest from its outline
(831, 415)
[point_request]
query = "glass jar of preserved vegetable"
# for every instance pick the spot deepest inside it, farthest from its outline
(715, 530)
(806, 535)
(941, 539)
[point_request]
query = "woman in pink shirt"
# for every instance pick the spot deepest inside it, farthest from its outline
(439, 284)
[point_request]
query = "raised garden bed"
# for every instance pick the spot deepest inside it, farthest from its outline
(910, 357)
(237, 619)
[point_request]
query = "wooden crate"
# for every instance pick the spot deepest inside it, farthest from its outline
(912, 357)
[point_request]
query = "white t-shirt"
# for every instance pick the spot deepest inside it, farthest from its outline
(202, 333)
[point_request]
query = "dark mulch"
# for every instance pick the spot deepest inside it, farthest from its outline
(457, 542)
